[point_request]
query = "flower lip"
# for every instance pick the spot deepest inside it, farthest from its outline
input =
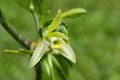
(56, 43)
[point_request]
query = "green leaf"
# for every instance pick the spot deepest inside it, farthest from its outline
(56, 63)
(51, 66)
(38, 6)
(59, 67)
(73, 13)
(23, 3)
(55, 70)
(56, 22)
(47, 67)
(38, 53)
(63, 64)
(47, 22)
(68, 53)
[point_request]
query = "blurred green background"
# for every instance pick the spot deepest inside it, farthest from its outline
(95, 38)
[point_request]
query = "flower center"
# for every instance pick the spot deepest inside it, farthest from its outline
(57, 43)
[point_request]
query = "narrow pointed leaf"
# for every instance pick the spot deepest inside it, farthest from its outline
(56, 22)
(51, 66)
(73, 13)
(59, 73)
(38, 53)
(56, 62)
(24, 4)
(68, 53)
(47, 67)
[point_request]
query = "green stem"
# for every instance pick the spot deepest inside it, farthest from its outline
(38, 68)
(20, 51)
(23, 42)
(36, 18)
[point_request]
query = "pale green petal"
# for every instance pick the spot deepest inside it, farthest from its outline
(56, 22)
(38, 53)
(73, 13)
(68, 53)
(63, 29)
(58, 35)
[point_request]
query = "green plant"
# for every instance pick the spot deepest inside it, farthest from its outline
(53, 48)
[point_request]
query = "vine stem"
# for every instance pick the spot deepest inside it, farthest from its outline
(23, 42)
(36, 18)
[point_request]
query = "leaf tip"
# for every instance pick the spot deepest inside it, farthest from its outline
(82, 10)
(73, 13)
(31, 64)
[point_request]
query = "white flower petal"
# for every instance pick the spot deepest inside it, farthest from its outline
(38, 53)
(68, 52)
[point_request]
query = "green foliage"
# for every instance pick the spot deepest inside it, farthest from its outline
(24, 4)
(53, 42)
(94, 37)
